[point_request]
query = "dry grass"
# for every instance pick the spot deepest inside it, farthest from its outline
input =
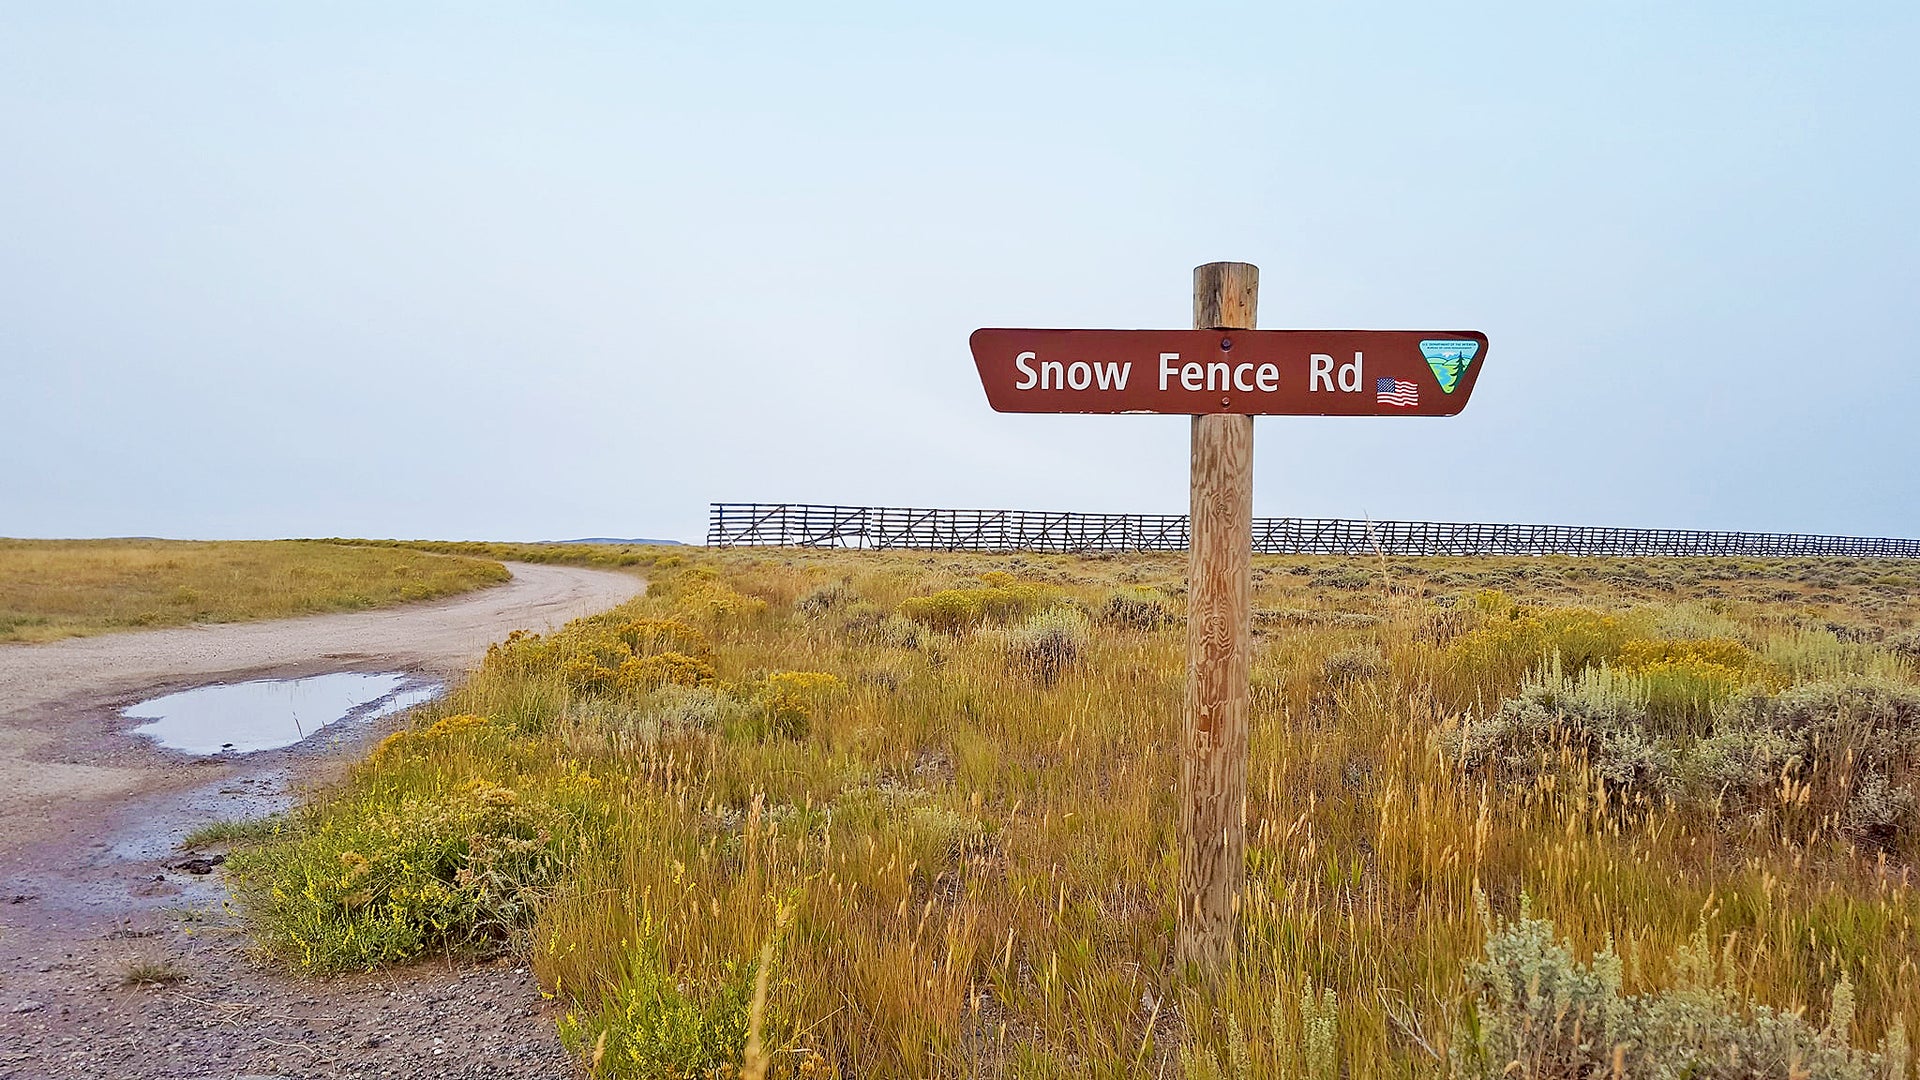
(147, 971)
(52, 589)
(960, 866)
(609, 556)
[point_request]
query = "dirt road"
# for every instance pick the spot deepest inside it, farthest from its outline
(91, 881)
(446, 636)
(43, 686)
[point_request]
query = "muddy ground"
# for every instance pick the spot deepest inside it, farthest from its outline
(94, 887)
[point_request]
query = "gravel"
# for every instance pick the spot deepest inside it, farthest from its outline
(96, 891)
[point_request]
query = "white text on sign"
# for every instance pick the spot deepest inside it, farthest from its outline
(1217, 376)
(1192, 375)
(1320, 368)
(1078, 375)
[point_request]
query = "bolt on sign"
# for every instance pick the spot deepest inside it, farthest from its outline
(1223, 373)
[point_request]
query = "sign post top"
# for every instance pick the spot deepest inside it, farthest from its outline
(1248, 372)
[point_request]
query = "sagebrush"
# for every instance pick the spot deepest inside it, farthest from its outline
(944, 785)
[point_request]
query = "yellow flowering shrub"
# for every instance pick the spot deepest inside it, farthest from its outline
(522, 651)
(453, 725)
(639, 655)
(646, 636)
(1640, 653)
(1492, 603)
(401, 742)
(789, 698)
(1688, 688)
(1687, 679)
(1509, 645)
(954, 610)
(588, 673)
(706, 597)
(664, 669)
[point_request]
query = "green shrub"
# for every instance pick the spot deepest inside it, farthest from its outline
(1813, 654)
(1842, 754)
(1200, 1063)
(655, 1027)
(1136, 609)
(232, 831)
(867, 624)
(1599, 717)
(1846, 750)
(1341, 578)
(1319, 1033)
(689, 708)
(1344, 620)
(829, 597)
(391, 875)
(1048, 643)
(1538, 1013)
(1353, 665)
(1906, 644)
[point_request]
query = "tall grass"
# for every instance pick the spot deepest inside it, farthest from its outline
(52, 589)
(931, 832)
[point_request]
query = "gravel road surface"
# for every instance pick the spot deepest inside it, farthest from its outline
(93, 884)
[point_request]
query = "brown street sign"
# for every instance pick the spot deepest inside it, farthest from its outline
(1247, 372)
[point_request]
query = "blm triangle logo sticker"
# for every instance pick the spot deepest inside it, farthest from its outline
(1449, 357)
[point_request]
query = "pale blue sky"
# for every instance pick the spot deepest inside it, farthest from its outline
(538, 271)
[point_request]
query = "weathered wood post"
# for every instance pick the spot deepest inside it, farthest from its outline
(1213, 763)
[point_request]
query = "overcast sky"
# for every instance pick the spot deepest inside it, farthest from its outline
(544, 271)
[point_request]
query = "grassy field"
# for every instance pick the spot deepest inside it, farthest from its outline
(52, 589)
(604, 556)
(897, 815)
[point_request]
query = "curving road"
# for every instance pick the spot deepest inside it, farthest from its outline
(444, 636)
(46, 689)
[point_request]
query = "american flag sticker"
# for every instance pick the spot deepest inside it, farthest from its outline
(1398, 392)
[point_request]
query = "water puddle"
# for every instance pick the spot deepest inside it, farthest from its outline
(239, 718)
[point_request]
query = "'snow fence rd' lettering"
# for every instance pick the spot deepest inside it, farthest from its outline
(1250, 372)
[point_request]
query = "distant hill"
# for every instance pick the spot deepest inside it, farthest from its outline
(614, 540)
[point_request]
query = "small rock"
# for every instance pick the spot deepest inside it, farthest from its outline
(29, 1005)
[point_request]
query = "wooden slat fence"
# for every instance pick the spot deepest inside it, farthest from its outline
(810, 525)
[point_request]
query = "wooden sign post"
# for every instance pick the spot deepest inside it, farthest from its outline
(1213, 760)
(1223, 373)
